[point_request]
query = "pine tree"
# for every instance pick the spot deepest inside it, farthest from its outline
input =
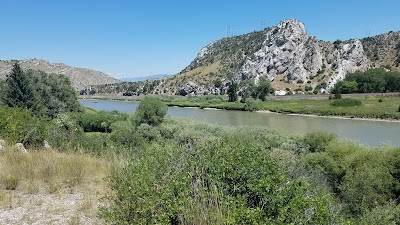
(232, 92)
(19, 92)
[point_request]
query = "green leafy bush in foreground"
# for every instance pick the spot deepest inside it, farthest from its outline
(19, 125)
(202, 174)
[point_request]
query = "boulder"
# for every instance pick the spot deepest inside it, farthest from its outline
(21, 148)
(2, 144)
(46, 144)
(191, 88)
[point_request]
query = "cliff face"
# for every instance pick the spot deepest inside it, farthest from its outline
(289, 57)
(290, 52)
(79, 77)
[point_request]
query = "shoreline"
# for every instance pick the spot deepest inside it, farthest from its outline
(333, 117)
(208, 107)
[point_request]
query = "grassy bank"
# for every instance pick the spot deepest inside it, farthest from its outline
(373, 108)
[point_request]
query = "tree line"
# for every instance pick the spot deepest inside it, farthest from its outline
(46, 95)
(370, 81)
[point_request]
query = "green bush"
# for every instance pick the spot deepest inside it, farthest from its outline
(362, 178)
(318, 140)
(124, 133)
(151, 111)
(19, 125)
(347, 102)
(98, 122)
(382, 215)
(251, 105)
(205, 174)
(11, 183)
(149, 133)
(64, 132)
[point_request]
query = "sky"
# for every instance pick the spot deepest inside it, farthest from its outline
(137, 38)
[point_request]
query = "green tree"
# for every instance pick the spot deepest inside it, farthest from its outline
(19, 125)
(151, 111)
(264, 88)
(232, 91)
(19, 91)
(349, 87)
(56, 91)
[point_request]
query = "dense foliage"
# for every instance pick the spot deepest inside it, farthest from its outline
(374, 80)
(18, 125)
(150, 111)
(46, 95)
(19, 91)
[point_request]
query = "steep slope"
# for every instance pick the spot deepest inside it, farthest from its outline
(79, 77)
(288, 56)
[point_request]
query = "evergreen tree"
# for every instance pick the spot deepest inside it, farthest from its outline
(19, 91)
(232, 92)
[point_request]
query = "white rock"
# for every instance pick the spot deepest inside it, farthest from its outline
(2, 144)
(46, 144)
(21, 148)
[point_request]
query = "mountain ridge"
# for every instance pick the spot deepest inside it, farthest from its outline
(80, 77)
(288, 56)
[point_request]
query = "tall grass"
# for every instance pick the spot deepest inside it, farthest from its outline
(48, 168)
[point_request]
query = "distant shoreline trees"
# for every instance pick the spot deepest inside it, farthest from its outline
(370, 81)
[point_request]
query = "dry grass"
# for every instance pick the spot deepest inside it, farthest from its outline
(49, 168)
(199, 75)
(64, 187)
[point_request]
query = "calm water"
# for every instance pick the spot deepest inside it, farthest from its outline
(367, 132)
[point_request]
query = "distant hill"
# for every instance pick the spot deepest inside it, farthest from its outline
(143, 78)
(80, 77)
(287, 56)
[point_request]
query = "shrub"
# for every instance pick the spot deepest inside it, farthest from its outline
(64, 132)
(347, 102)
(149, 133)
(19, 125)
(318, 140)
(98, 121)
(251, 105)
(11, 183)
(382, 215)
(124, 133)
(380, 100)
(151, 111)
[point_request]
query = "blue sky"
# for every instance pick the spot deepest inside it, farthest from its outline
(135, 38)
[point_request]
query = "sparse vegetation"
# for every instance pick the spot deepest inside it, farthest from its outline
(346, 102)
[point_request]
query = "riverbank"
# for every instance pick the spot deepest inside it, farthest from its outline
(370, 108)
(385, 108)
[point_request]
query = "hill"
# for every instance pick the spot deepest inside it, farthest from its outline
(80, 77)
(287, 55)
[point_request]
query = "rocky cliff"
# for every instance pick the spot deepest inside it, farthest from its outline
(288, 56)
(79, 77)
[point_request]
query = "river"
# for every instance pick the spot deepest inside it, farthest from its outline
(368, 132)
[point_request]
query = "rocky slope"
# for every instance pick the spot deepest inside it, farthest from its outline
(287, 55)
(79, 77)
